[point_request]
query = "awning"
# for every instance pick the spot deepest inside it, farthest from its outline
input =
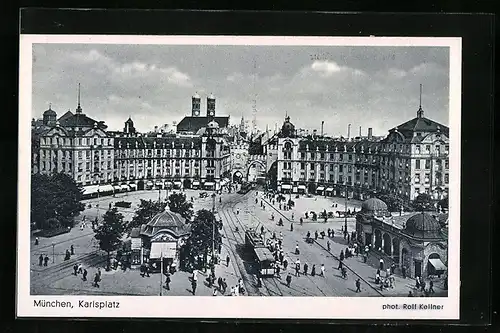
(330, 189)
(161, 249)
(149, 183)
(321, 188)
(106, 188)
(178, 183)
(196, 183)
(125, 187)
(302, 187)
(133, 186)
(168, 183)
(90, 189)
(158, 182)
(437, 264)
(117, 187)
(286, 187)
(209, 184)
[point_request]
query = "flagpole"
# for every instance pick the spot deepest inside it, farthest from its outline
(161, 273)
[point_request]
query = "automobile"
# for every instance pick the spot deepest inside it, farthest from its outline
(203, 194)
(123, 204)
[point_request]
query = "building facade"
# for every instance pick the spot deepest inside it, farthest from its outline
(411, 159)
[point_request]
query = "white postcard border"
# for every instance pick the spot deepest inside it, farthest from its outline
(239, 307)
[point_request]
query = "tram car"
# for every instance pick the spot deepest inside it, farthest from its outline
(245, 188)
(264, 259)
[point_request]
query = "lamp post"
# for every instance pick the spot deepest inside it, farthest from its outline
(53, 252)
(345, 208)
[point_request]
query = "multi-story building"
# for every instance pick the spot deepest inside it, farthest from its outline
(75, 144)
(412, 159)
(106, 162)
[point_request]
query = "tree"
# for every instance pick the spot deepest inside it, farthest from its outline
(424, 203)
(146, 211)
(205, 233)
(443, 203)
(56, 196)
(394, 202)
(177, 203)
(110, 233)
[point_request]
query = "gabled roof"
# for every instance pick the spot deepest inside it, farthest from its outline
(65, 116)
(194, 124)
(420, 124)
(80, 120)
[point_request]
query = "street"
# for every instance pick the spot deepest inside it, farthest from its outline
(238, 213)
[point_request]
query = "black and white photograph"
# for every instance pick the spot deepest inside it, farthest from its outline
(211, 169)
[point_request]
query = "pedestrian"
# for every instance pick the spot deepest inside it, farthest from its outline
(40, 260)
(233, 291)
(297, 269)
(288, 280)
(84, 277)
(99, 273)
(431, 287)
(193, 286)
(322, 274)
(227, 261)
(285, 264)
(316, 235)
(358, 286)
(422, 285)
(80, 268)
(388, 272)
(308, 235)
(342, 255)
(328, 232)
(301, 221)
(348, 238)
(277, 270)
(403, 271)
(410, 294)
(194, 277)
(333, 233)
(75, 269)
(313, 270)
(328, 246)
(262, 229)
(292, 217)
(305, 268)
(297, 251)
(241, 288)
(96, 280)
(72, 249)
(67, 256)
(291, 226)
(236, 291)
(340, 265)
(167, 281)
(417, 282)
(45, 260)
(147, 270)
(36, 241)
(215, 292)
(224, 286)
(381, 264)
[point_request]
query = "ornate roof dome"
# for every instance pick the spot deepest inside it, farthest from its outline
(423, 225)
(288, 129)
(49, 112)
(167, 221)
(213, 124)
(374, 206)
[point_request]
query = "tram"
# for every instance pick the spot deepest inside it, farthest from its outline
(264, 259)
(245, 188)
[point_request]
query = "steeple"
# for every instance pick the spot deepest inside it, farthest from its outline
(420, 112)
(78, 108)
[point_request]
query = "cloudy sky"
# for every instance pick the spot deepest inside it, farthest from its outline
(374, 87)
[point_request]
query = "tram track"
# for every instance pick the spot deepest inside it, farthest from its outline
(60, 242)
(243, 274)
(60, 271)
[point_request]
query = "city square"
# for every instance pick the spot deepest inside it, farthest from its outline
(207, 206)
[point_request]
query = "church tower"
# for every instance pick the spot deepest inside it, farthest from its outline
(211, 106)
(195, 105)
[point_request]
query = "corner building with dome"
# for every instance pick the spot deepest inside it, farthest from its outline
(417, 241)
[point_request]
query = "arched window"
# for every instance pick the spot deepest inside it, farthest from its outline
(288, 146)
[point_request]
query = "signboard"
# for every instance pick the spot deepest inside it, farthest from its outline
(165, 249)
(136, 243)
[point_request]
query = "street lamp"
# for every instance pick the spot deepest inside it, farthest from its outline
(345, 208)
(53, 252)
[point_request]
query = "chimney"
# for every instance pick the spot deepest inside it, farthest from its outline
(360, 131)
(322, 126)
(370, 134)
(348, 132)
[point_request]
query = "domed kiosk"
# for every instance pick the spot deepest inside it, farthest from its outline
(416, 243)
(162, 237)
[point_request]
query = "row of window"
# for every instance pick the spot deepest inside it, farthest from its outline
(76, 141)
